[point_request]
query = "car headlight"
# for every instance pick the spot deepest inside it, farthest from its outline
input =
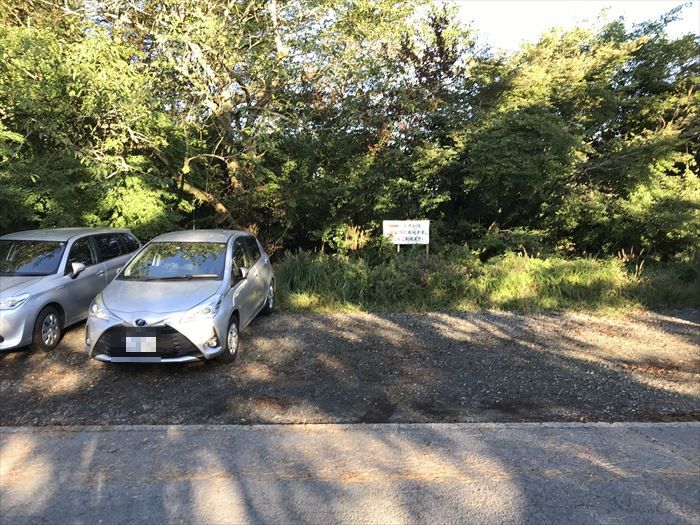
(10, 303)
(98, 309)
(206, 310)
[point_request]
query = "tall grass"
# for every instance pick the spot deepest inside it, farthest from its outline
(410, 282)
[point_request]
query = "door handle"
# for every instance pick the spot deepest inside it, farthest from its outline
(100, 273)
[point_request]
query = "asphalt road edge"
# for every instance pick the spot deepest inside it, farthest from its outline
(690, 425)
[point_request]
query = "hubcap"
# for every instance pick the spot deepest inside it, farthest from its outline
(50, 330)
(232, 338)
(271, 297)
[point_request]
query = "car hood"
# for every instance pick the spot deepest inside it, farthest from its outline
(15, 284)
(157, 296)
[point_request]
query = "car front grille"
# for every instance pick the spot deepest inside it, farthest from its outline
(169, 342)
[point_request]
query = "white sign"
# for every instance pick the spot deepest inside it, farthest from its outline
(407, 232)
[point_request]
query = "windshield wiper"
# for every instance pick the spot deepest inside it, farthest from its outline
(184, 277)
(23, 274)
(170, 278)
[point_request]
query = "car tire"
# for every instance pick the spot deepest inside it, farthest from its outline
(231, 342)
(48, 329)
(270, 301)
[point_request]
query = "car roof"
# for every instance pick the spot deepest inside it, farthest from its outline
(57, 234)
(199, 236)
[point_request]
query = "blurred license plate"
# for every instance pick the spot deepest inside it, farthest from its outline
(141, 344)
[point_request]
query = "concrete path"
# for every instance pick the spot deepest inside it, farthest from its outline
(383, 473)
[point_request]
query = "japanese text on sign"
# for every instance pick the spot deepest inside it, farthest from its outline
(407, 232)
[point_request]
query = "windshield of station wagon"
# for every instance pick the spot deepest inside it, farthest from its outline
(23, 257)
(161, 261)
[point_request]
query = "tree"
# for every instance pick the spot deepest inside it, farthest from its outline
(308, 120)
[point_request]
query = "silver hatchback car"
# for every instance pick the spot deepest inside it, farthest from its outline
(48, 278)
(184, 297)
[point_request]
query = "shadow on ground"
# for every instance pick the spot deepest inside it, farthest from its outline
(443, 367)
(440, 367)
(352, 474)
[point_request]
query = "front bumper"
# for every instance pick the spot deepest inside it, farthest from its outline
(176, 342)
(16, 326)
(113, 359)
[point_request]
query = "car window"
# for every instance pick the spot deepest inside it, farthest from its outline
(129, 242)
(253, 249)
(177, 260)
(81, 252)
(108, 246)
(24, 257)
(240, 258)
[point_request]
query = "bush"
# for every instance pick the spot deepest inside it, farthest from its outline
(458, 280)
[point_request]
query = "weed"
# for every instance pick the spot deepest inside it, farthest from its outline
(456, 280)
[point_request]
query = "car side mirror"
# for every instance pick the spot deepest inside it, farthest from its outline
(243, 273)
(77, 268)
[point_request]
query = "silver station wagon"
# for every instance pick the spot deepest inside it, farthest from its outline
(48, 278)
(184, 297)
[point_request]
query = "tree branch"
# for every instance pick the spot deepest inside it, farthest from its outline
(224, 216)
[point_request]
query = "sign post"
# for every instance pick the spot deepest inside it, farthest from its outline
(407, 232)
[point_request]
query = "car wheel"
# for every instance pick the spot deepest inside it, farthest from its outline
(231, 344)
(270, 302)
(48, 329)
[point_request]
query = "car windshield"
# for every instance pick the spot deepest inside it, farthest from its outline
(23, 257)
(160, 261)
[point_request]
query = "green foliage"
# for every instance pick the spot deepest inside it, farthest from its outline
(515, 164)
(144, 204)
(495, 241)
(460, 281)
(74, 112)
(313, 121)
(669, 286)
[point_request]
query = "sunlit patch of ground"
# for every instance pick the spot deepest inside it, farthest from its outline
(392, 367)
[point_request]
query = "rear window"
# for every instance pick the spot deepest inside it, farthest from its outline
(108, 246)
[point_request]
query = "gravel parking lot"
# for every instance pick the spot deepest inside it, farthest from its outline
(436, 367)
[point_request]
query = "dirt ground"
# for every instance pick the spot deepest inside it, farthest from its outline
(436, 367)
